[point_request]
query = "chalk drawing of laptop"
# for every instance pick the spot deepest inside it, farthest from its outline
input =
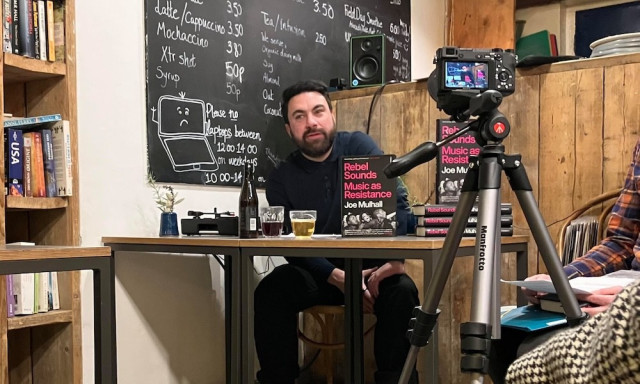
(181, 129)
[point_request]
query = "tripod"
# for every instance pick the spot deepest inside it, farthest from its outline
(482, 179)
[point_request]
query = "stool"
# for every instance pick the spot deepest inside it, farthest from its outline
(325, 316)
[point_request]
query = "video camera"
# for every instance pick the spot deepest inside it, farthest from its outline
(463, 73)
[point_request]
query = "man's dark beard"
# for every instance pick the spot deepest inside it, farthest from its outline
(319, 149)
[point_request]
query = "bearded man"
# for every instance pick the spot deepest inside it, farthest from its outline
(310, 179)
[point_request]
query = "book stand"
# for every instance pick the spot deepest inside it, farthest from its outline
(483, 180)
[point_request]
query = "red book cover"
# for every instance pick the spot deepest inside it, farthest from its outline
(38, 185)
(553, 42)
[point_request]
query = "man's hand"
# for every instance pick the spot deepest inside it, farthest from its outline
(534, 296)
(367, 302)
(387, 269)
(599, 299)
(337, 277)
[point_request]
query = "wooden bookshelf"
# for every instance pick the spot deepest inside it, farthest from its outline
(44, 347)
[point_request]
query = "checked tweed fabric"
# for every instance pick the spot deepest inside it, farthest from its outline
(603, 349)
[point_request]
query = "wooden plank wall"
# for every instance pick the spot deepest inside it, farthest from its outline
(481, 24)
(575, 125)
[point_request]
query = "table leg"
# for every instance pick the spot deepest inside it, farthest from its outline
(354, 367)
(231, 355)
(244, 291)
(104, 331)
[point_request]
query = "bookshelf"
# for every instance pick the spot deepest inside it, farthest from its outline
(43, 347)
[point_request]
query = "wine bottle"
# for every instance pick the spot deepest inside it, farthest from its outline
(248, 220)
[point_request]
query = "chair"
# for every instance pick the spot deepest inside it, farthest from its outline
(326, 316)
(602, 219)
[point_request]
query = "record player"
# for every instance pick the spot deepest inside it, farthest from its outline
(221, 223)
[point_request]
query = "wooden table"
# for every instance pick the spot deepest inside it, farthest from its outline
(239, 255)
(28, 259)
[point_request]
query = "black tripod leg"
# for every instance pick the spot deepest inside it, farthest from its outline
(425, 317)
(519, 182)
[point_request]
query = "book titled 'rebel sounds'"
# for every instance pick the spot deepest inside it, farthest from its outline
(452, 160)
(368, 196)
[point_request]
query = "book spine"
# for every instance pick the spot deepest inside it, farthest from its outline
(25, 122)
(26, 177)
(36, 31)
(61, 138)
(25, 15)
(23, 290)
(43, 292)
(38, 185)
(7, 28)
(468, 232)
(49, 163)
(14, 162)
(55, 291)
(11, 299)
(58, 29)
(36, 292)
(15, 27)
(51, 46)
(42, 29)
(438, 210)
(445, 221)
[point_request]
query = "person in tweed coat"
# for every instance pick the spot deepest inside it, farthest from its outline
(618, 251)
(604, 349)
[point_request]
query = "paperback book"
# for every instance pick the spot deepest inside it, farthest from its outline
(445, 221)
(452, 160)
(29, 122)
(368, 196)
(439, 210)
(468, 232)
(530, 318)
(14, 162)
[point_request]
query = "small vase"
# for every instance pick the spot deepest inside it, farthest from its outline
(168, 224)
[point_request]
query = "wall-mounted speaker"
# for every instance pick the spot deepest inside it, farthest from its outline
(368, 61)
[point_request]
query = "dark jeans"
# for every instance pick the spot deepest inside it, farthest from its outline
(289, 289)
(512, 344)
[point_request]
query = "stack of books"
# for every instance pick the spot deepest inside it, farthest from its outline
(434, 220)
(38, 159)
(34, 28)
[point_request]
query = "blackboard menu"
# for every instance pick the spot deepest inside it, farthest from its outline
(216, 71)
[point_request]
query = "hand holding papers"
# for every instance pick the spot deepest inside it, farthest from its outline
(582, 285)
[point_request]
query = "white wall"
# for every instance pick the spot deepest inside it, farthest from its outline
(170, 327)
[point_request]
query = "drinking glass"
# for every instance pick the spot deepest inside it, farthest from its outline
(303, 223)
(271, 220)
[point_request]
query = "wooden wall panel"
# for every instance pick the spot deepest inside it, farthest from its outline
(522, 111)
(479, 24)
(557, 147)
(622, 121)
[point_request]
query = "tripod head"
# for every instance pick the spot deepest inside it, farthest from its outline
(491, 126)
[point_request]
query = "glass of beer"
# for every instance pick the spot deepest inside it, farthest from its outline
(303, 223)
(271, 220)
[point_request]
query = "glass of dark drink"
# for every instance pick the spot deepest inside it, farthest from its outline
(271, 220)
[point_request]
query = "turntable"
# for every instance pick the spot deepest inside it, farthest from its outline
(221, 223)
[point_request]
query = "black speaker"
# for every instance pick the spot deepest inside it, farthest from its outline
(368, 56)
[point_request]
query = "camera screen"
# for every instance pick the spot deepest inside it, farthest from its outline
(462, 74)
